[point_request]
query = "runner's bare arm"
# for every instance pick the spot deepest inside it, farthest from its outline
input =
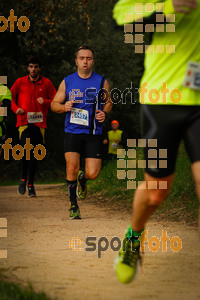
(100, 115)
(57, 103)
(108, 101)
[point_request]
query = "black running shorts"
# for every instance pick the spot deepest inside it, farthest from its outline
(87, 145)
(34, 134)
(170, 124)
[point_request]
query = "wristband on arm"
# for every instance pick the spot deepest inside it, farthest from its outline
(106, 114)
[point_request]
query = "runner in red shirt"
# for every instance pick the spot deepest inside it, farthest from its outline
(31, 98)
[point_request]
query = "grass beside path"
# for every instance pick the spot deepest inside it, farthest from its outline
(13, 291)
(181, 204)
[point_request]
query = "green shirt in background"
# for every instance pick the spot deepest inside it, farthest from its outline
(7, 95)
(112, 136)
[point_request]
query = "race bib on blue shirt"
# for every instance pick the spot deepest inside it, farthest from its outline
(79, 116)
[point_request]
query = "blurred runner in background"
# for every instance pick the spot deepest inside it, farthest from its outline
(116, 139)
(173, 58)
(5, 104)
(31, 98)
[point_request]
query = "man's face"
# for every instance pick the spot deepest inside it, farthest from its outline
(114, 126)
(84, 61)
(34, 70)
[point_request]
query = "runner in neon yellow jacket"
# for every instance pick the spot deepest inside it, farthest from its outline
(164, 123)
(5, 101)
(168, 67)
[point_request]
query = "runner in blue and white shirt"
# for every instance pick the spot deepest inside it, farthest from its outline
(85, 97)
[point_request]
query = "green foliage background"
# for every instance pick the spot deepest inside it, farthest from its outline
(57, 29)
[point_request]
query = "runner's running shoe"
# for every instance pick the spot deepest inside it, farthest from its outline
(74, 212)
(31, 190)
(128, 261)
(22, 187)
(81, 191)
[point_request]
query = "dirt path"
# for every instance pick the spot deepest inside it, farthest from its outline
(39, 232)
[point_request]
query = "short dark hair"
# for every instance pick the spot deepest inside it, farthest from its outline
(33, 60)
(85, 47)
